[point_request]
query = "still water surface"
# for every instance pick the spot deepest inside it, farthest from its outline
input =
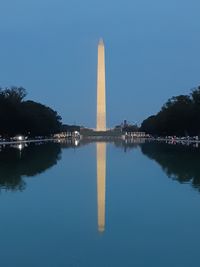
(100, 204)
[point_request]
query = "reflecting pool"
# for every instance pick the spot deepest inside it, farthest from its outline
(86, 203)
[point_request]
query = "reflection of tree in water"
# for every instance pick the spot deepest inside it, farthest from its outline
(32, 160)
(179, 162)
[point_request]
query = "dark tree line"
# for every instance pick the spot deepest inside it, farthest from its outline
(18, 116)
(70, 128)
(179, 116)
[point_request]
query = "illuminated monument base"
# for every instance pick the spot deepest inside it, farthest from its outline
(112, 133)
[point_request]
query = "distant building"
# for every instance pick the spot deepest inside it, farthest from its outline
(131, 131)
(134, 134)
(68, 131)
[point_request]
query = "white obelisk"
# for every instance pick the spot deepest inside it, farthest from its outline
(101, 89)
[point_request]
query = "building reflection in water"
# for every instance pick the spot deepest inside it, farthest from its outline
(101, 184)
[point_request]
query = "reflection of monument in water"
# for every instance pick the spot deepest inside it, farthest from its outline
(101, 89)
(101, 184)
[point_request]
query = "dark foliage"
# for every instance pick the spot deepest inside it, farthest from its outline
(18, 116)
(70, 128)
(179, 116)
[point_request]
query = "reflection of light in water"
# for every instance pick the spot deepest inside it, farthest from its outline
(76, 142)
(20, 147)
(101, 184)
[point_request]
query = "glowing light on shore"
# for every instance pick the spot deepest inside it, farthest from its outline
(20, 137)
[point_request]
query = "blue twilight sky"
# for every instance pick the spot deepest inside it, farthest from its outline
(50, 48)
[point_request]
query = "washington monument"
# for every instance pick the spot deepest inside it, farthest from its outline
(101, 89)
